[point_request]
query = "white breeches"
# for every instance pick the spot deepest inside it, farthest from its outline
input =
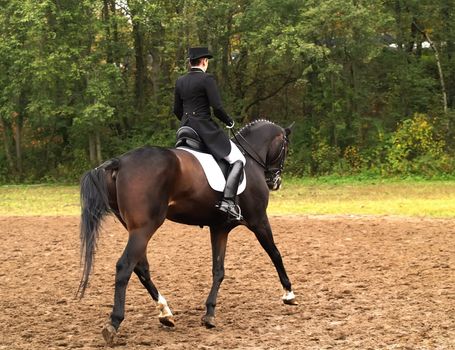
(235, 155)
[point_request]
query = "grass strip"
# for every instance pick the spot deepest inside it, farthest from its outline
(384, 197)
(297, 197)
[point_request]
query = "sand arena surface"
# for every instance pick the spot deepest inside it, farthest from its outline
(366, 283)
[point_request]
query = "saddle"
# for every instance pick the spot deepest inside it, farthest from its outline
(187, 137)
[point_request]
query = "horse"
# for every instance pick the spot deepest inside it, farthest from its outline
(145, 186)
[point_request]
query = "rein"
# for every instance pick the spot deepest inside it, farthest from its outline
(257, 157)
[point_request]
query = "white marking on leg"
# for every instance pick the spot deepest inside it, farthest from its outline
(165, 311)
(288, 295)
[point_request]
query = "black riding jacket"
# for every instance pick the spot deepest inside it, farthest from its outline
(194, 94)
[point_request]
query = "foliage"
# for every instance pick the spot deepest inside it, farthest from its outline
(82, 81)
(323, 158)
(415, 149)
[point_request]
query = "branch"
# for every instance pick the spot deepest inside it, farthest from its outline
(287, 81)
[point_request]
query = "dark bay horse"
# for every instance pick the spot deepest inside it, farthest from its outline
(145, 186)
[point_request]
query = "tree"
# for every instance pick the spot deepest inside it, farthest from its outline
(84, 81)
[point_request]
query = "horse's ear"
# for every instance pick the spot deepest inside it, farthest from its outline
(289, 129)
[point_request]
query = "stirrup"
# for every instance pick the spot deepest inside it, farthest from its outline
(232, 209)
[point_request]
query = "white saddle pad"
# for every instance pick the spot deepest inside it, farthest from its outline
(213, 172)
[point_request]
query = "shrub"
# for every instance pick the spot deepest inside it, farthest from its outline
(297, 162)
(415, 149)
(352, 159)
(323, 158)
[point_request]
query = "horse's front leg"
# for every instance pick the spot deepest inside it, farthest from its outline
(263, 233)
(218, 237)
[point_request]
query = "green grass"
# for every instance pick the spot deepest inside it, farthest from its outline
(332, 196)
(31, 200)
(369, 197)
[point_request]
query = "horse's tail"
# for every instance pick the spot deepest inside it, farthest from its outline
(94, 207)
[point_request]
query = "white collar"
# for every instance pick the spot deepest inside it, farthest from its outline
(199, 68)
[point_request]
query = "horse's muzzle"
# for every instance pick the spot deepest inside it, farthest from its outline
(274, 183)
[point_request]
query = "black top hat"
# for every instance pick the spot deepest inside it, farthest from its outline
(198, 52)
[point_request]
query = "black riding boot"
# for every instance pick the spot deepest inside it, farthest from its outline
(228, 203)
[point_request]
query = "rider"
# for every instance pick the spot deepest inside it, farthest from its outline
(195, 92)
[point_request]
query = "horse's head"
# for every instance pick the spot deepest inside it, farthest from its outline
(276, 156)
(268, 145)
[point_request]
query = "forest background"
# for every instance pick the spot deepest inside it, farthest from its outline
(369, 83)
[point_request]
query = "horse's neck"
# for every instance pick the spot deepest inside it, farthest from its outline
(259, 139)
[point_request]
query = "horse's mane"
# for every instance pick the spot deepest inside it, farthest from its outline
(255, 122)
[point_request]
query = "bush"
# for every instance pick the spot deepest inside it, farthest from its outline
(297, 162)
(352, 160)
(323, 158)
(5, 176)
(415, 149)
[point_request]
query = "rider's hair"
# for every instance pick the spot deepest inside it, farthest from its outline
(195, 62)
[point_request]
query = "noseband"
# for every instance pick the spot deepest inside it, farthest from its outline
(272, 175)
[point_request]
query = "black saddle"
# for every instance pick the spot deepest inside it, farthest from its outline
(187, 137)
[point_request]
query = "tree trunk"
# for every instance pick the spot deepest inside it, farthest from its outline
(438, 63)
(99, 159)
(140, 68)
(447, 13)
(398, 20)
(226, 51)
(6, 145)
(115, 38)
(140, 73)
(155, 61)
(238, 82)
(18, 142)
(92, 148)
(107, 28)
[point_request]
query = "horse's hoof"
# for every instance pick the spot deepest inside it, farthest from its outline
(290, 302)
(208, 321)
(109, 333)
(167, 321)
(289, 298)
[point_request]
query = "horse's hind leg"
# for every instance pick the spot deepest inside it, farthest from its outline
(134, 250)
(263, 233)
(143, 273)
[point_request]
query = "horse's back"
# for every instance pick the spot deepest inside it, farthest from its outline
(161, 181)
(146, 156)
(165, 163)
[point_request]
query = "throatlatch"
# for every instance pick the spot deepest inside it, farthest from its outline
(229, 204)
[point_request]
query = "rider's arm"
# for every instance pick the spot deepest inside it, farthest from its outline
(215, 100)
(178, 103)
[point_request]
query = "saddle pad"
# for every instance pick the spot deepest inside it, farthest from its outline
(213, 172)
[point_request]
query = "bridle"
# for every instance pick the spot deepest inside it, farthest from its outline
(272, 174)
